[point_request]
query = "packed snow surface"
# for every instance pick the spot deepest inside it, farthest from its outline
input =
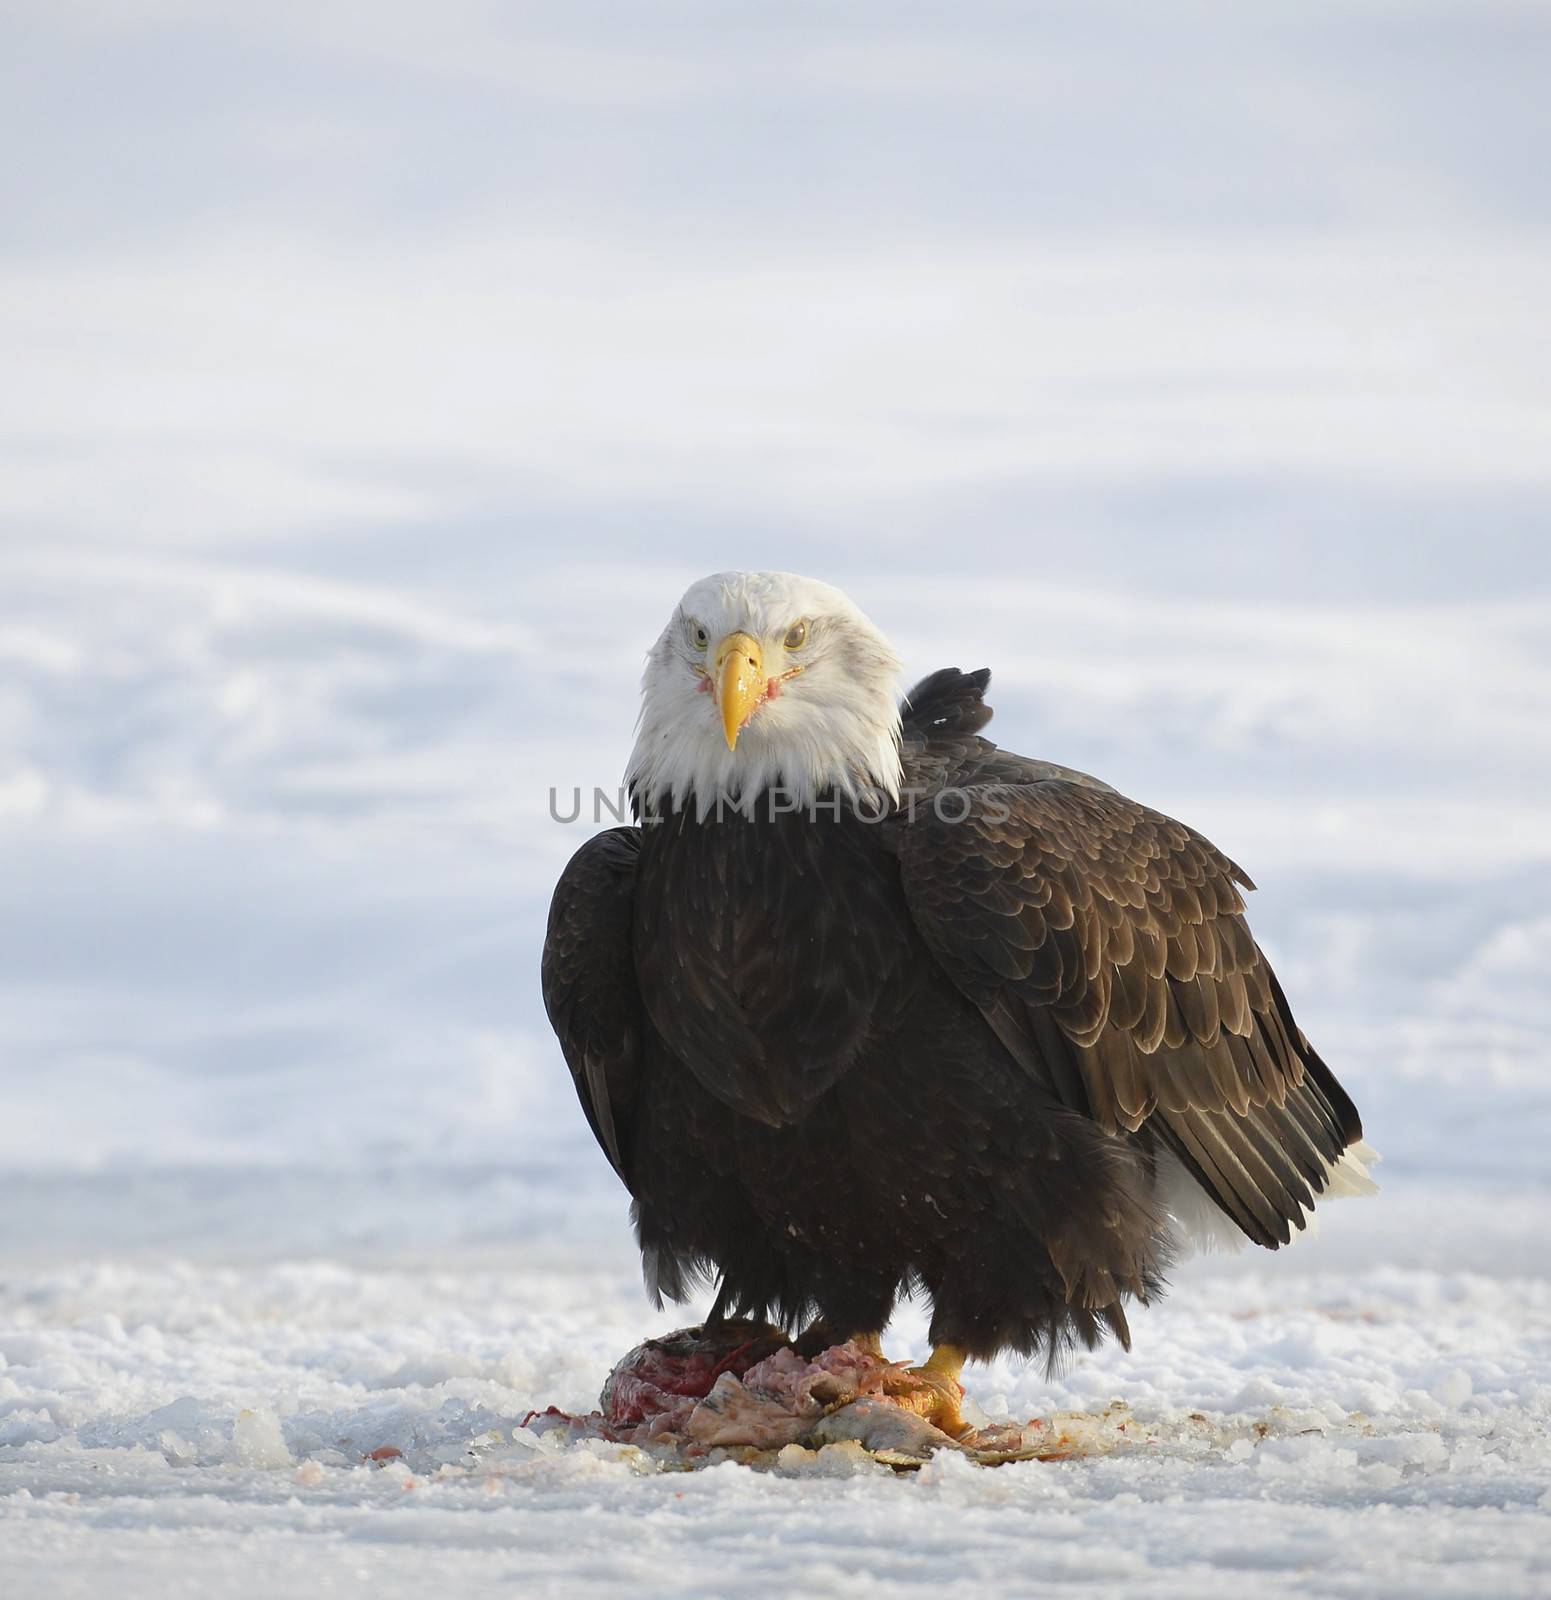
(272, 1429)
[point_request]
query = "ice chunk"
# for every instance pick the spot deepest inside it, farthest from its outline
(257, 1440)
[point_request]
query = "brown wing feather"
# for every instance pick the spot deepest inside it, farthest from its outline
(589, 983)
(1058, 901)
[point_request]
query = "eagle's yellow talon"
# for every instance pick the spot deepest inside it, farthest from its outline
(933, 1390)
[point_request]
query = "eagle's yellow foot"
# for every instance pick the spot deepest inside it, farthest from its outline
(934, 1391)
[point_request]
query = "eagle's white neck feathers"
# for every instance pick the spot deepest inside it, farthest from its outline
(833, 723)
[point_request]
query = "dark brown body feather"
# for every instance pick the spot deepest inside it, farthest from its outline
(833, 1059)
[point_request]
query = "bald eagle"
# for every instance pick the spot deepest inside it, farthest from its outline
(865, 1004)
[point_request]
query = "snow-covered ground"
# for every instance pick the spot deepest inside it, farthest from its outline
(377, 380)
(1380, 1432)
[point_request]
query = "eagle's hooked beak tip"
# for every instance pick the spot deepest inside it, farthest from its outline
(740, 682)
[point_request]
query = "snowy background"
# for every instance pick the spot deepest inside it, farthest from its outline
(376, 377)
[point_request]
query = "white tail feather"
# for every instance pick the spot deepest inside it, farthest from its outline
(1350, 1176)
(1345, 1178)
(1201, 1224)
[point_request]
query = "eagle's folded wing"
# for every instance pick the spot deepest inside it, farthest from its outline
(1107, 946)
(589, 983)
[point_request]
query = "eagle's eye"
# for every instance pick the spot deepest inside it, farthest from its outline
(698, 636)
(796, 636)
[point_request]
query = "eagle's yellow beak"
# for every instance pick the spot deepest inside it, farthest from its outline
(740, 682)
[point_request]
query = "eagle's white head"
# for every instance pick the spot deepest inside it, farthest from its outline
(766, 681)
